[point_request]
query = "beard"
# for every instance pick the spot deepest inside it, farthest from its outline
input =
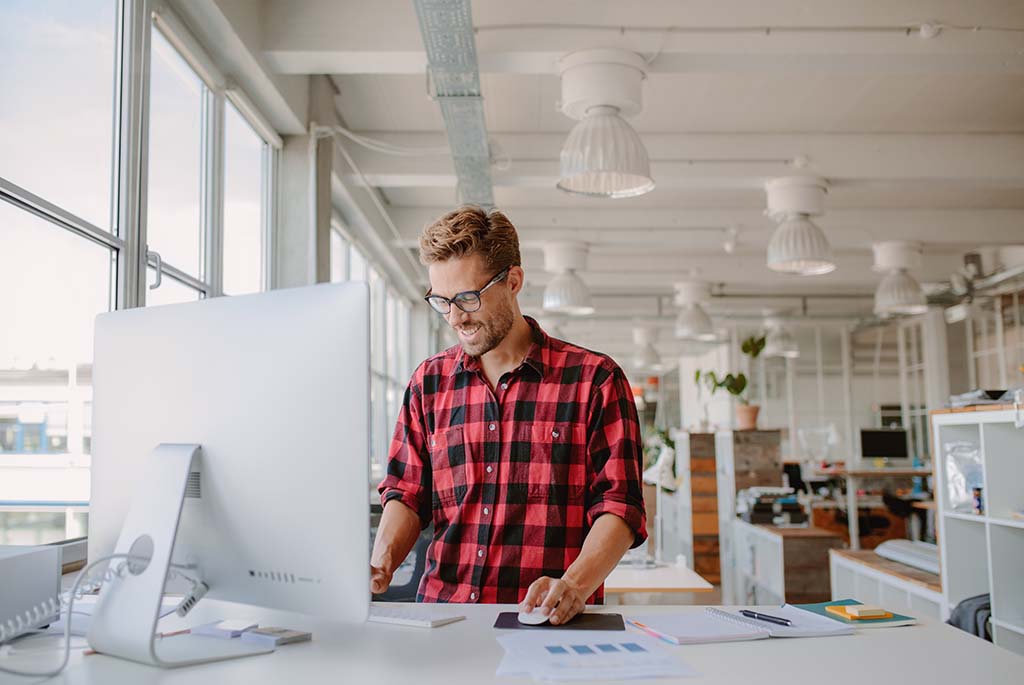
(492, 331)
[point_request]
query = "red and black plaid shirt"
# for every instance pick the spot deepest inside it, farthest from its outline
(514, 478)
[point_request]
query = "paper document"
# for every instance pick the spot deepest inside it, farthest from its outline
(695, 628)
(589, 655)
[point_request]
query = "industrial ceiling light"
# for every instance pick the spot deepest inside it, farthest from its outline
(693, 323)
(899, 293)
(779, 342)
(798, 245)
(603, 155)
(645, 357)
(566, 293)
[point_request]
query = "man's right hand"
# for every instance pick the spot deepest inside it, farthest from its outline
(380, 580)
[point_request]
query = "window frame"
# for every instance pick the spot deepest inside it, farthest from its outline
(127, 238)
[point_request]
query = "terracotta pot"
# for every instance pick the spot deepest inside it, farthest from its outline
(746, 416)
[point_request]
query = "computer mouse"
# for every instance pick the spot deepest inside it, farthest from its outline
(534, 618)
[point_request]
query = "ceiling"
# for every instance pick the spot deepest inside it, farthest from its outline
(920, 138)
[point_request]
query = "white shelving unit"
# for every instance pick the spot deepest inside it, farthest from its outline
(984, 553)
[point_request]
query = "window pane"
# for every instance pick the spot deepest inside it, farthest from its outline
(57, 117)
(339, 258)
(357, 265)
(174, 227)
(392, 334)
(243, 190)
(171, 291)
(378, 333)
(58, 282)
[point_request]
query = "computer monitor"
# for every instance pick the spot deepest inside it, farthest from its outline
(274, 388)
(884, 443)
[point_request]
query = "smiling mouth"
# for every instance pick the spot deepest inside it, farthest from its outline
(468, 332)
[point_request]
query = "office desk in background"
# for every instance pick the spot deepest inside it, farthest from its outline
(466, 653)
(853, 479)
(661, 579)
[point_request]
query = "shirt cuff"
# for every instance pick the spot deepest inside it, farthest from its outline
(406, 498)
(630, 513)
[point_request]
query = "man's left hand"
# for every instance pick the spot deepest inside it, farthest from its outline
(557, 598)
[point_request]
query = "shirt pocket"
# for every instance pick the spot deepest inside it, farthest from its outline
(557, 466)
(448, 464)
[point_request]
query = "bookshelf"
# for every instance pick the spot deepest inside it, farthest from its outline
(982, 552)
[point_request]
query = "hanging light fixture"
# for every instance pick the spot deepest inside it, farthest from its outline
(603, 155)
(798, 245)
(645, 357)
(779, 343)
(898, 293)
(693, 323)
(566, 293)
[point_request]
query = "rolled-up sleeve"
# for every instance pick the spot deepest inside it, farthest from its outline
(615, 455)
(408, 476)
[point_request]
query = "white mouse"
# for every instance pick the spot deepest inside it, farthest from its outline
(534, 618)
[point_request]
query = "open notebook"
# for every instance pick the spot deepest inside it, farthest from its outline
(718, 625)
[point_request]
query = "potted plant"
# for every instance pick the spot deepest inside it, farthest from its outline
(746, 413)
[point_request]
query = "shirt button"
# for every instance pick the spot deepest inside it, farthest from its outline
(433, 443)
(472, 595)
(554, 434)
(487, 512)
(504, 386)
(480, 553)
(489, 469)
(491, 427)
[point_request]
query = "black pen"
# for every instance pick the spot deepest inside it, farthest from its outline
(766, 617)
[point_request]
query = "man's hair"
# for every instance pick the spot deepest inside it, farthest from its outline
(470, 230)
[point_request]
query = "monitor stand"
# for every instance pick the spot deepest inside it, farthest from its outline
(125, 619)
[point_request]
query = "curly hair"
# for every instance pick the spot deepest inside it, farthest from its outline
(470, 230)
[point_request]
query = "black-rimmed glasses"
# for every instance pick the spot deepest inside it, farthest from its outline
(468, 300)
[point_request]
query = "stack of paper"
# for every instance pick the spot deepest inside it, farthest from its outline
(588, 655)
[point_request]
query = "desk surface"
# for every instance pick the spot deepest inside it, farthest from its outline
(466, 653)
(658, 579)
(870, 472)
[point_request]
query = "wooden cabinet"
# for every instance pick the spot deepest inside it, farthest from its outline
(776, 565)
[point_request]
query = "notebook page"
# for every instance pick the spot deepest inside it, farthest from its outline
(805, 624)
(692, 629)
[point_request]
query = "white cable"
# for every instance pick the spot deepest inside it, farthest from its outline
(76, 591)
(387, 148)
(25, 623)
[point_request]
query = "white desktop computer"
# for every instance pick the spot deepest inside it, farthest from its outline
(231, 439)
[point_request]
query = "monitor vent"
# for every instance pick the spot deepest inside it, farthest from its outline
(193, 486)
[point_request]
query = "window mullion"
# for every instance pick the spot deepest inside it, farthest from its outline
(212, 179)
(131, 149)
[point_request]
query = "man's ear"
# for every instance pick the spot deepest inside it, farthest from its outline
(516, 279)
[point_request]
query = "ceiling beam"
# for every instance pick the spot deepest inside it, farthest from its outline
(329, 37)
(734, 161)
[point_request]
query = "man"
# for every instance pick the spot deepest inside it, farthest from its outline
(523, 450)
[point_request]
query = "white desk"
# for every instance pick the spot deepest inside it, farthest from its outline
(669, 578)
(466, 653)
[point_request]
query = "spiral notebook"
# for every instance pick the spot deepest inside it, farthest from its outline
(718, 625)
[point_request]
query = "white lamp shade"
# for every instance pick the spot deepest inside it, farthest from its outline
(693, 323)
(798, 246)
(604, 157)
(779, 343)
(568, 294)
(647, 358)
(899, 293)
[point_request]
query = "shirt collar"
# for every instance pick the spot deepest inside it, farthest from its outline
(537, 356)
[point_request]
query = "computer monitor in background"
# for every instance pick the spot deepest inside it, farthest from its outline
(274, 388)
(885, 443)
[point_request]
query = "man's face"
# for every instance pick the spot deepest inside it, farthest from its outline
(481, 331)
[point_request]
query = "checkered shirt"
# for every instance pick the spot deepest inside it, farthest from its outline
(514, 478)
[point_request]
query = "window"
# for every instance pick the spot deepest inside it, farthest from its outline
(244, 173)
(56, 269)
(55, 54)
(64, 260)
(174, 226)
(339, 257)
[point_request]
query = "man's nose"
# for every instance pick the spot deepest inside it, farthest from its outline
(456, 316)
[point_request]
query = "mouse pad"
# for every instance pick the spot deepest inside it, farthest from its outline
(510, 619)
